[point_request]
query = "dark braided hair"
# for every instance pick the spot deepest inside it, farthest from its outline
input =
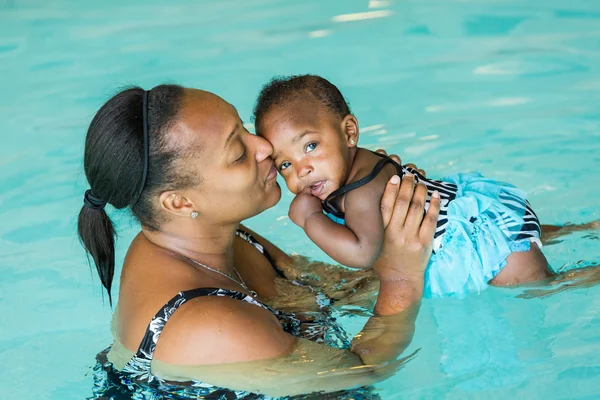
(282, 89)
(113, 163)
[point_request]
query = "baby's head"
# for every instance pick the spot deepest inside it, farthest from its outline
(313, 133)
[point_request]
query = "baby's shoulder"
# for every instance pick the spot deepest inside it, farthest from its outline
(364, 169)
(365, 163)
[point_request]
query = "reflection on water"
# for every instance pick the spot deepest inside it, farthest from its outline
(361, 16)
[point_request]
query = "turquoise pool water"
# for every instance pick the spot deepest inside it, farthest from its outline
(507, 87)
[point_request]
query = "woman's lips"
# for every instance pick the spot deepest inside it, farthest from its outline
(272, 173)
(317, 188)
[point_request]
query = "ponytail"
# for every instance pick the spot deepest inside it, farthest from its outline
(127, 158)
(97, 235)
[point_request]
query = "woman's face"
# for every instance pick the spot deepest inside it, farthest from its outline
(237, 178)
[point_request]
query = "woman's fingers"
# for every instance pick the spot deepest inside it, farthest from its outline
(397, 159)
(413, 166)
(429, 224)
(394, 157)
(389, 199)
(403, 200)
(415, 214)
(404, 204)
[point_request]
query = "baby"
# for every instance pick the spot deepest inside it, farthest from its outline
(338, 187)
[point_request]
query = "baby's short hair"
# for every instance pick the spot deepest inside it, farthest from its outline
(282, 89)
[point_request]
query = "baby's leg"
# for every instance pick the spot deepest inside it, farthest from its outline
(523, 267)
(575, 278)
(551, 232)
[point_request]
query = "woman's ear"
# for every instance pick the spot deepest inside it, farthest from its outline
(175, 203)
(350, 129)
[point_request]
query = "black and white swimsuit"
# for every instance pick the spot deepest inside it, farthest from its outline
(137, 381)
(247, 236)
(481, 222)
(447, 194)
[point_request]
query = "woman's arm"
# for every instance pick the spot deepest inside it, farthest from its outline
(223, 330)
(278, 255)
(401, 268)
(281, 365)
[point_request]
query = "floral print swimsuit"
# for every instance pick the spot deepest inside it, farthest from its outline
(137, 381)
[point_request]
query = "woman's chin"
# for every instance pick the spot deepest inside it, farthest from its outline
(274, 194)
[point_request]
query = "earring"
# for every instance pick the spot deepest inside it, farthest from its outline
(194, 214)
(352, 141)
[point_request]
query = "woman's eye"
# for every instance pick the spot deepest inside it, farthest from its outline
(284, 165)
(241, 158)
(310, 147)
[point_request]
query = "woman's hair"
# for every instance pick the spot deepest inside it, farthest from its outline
(114, 164)
(282, 89)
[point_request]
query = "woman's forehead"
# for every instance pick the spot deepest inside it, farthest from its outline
(206, 114)
(206, 106)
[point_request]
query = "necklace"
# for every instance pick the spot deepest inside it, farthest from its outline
(240, 282)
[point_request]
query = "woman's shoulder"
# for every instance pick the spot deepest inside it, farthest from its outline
(202, 327)
(221, 329)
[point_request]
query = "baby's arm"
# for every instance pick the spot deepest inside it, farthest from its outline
(356, 245)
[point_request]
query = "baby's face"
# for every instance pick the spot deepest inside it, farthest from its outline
(310, 148)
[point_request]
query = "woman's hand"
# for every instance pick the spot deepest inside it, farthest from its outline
(408, 230)
(399, 161)
(407, 243)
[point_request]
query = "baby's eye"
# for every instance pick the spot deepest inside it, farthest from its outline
(310, 147)
(284, 165)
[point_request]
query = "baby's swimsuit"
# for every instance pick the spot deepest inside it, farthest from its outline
(481, 222)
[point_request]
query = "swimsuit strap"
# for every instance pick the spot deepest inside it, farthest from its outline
(247, 236)
(139, 365)
(330, 209)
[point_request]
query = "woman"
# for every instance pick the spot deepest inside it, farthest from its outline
(183, 162)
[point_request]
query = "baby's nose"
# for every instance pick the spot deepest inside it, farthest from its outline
(304, 170)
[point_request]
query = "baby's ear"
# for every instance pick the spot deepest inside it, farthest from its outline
(350, 129)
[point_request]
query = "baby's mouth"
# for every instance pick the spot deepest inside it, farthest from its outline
(316, 188)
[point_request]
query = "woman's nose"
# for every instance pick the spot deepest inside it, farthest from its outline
(263, 148)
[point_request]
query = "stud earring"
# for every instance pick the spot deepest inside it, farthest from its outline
(194, 214)
(352, 141)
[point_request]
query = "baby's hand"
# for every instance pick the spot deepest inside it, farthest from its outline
(302, 207)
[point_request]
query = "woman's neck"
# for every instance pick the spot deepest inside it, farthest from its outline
(212, 246)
